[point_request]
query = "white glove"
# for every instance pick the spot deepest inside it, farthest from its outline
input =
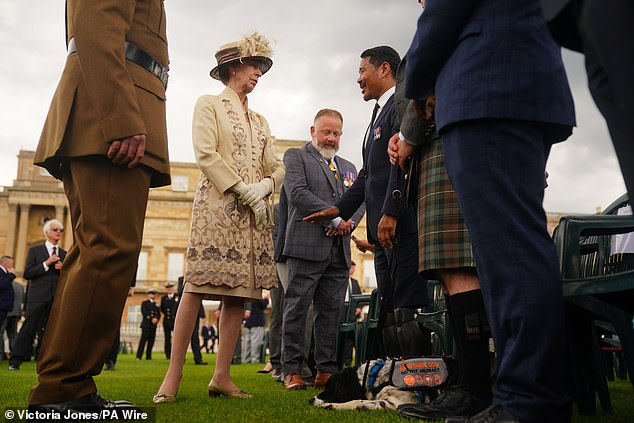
(260, 212)
(246, 194)
(262, 188)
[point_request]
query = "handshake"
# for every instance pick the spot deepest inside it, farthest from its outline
(252, 196)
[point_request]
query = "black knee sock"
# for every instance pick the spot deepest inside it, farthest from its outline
(471, 334)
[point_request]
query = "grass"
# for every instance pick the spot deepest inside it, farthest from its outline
(137, 381)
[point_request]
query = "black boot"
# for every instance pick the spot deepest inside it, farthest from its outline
(390, 337)
(410, 338)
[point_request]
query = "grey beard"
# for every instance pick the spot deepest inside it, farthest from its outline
(326, 154)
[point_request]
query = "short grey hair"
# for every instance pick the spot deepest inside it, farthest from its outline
(5, 259)
(47, 225)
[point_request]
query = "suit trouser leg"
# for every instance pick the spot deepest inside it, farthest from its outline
(195, 342)
(167, 331)
(150, 343)
(497, 169)
(142, 343)
(328, 301)
(609, 55)
(303, 276)
(24, 341)
(275, 328)
(107, 207)
(246, 345)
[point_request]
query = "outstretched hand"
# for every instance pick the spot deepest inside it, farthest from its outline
(326, 214)
(128, 151)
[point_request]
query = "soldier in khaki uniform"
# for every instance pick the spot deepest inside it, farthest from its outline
(105, 137)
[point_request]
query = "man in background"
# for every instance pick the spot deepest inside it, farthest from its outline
(169, 305)
(151, 314)
(42, 270)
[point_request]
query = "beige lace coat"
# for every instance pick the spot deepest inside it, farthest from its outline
(225, 247)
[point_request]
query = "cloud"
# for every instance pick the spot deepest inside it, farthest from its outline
(317, 47)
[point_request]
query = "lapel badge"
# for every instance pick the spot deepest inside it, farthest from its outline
(377, 133)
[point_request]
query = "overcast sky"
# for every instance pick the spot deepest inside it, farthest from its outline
(316, 57)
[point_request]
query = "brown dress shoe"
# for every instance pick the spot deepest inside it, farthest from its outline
(321, 379)
(294, 381)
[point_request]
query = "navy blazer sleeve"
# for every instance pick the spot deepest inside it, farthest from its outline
(437, 31)
(353, 198)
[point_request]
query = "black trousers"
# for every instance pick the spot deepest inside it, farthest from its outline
(36, 318)
(147, 337)
(167, 330)
(607, 31)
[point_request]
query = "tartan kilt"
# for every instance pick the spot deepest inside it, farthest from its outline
(443, 237)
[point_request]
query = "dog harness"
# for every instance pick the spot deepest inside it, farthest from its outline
(411, 374)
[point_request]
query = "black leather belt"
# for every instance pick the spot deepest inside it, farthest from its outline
(139, 56)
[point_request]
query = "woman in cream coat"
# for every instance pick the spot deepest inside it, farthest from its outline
(229, 254)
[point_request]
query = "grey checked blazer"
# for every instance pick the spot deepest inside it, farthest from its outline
(310, 186)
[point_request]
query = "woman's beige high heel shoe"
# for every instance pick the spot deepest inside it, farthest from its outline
(215, 391)
(161, 398)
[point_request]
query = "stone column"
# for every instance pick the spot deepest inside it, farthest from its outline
(59, 213)
(11, 229)
(20, 251)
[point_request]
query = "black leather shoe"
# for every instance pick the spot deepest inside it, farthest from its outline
(202, 363)
(493, 414)
(455, 401)
(14, 367)
(109, 365)
(88, 403)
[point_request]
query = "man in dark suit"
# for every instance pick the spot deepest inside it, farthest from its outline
(7, 275)
(169, 305)
(151, 313)
(105, 137)
(502, 101)
(379, 185)
(318, 256)
(603, 31)
(42, 268)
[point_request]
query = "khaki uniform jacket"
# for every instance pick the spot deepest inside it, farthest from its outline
(225, 247)
(101, 96)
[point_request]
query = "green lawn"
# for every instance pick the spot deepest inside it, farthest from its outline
(137, 381)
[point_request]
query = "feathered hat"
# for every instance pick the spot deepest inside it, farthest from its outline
(253, 46)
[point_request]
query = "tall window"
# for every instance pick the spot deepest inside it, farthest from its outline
(141, 270)
(180, 183)
(369, 277)
(175, 266)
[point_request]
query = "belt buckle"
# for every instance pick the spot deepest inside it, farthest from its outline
(159, 71)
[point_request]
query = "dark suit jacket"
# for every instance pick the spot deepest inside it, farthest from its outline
(42, 284)
(168, 309)
(452, 51)
(377, 180)
(560, 15)
(310, 186)
(354, 286)
(6, 290)
(149, 310)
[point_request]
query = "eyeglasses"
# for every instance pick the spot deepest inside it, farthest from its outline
(327, 133)
(57, 230)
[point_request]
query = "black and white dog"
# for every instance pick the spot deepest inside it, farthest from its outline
(352, 389)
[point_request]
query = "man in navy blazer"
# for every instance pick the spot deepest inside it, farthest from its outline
(603, 31)
(43, 264)
(502, 100)
(377, 184)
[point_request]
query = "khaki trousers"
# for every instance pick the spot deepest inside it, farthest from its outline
(107, 206)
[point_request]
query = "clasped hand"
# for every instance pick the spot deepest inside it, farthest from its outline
(128, 150)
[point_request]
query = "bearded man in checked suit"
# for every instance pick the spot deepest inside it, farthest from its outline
(318, 256)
